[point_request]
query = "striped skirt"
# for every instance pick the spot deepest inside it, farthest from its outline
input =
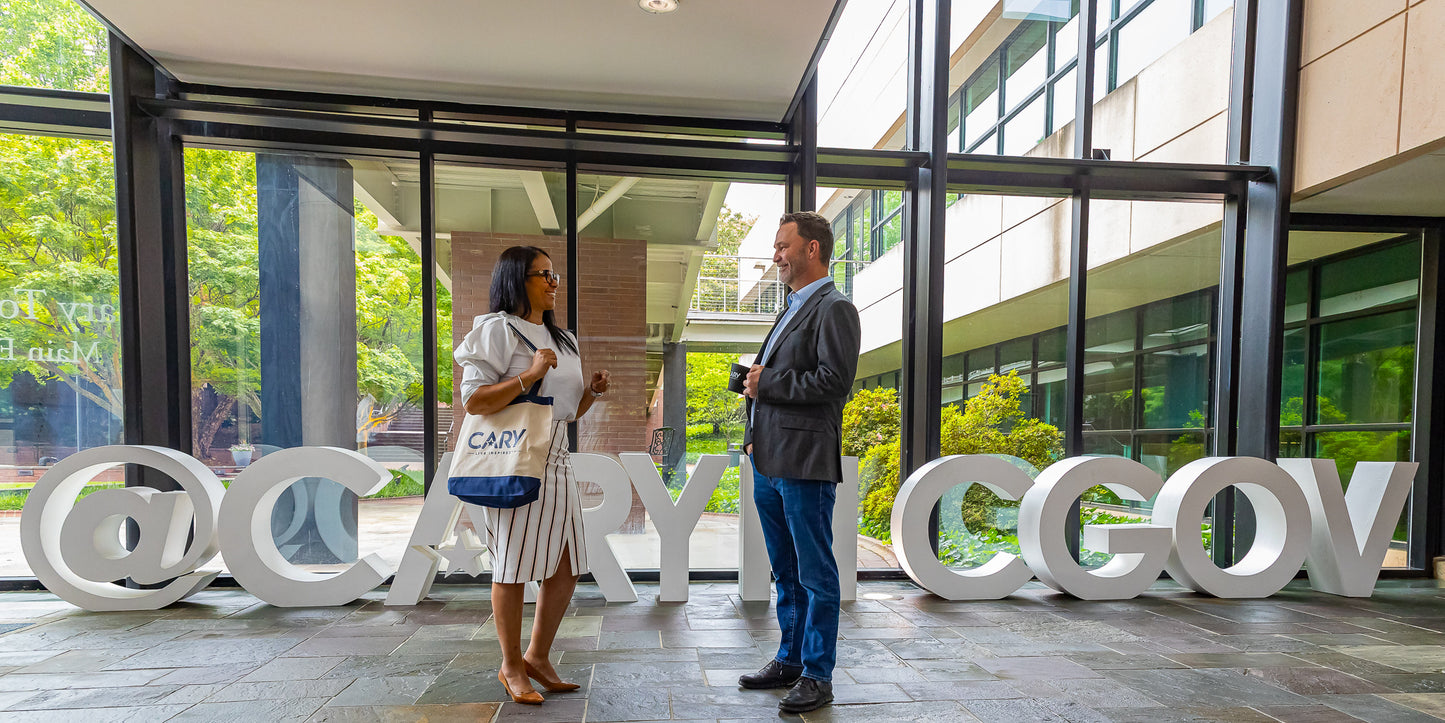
(526, 543)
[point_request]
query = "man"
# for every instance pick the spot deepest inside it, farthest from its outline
(795, 394)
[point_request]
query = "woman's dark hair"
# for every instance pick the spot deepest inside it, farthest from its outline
(509, 291)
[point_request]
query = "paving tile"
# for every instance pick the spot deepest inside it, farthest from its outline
(60, 681)
(1204, 687)
(1408, 682)
(1238, 660)
(463, 686)
(341, 647)
(960, 690)
(630, 656)
(1011, 710)
(198, 653)
(294, 710)
(1187, 714)
(122, 714)
(291, 669)
(1316, 681)
(390, 691)
(628, 640)
(1431, 703)
(1035, 667)
(949, 712)
(192, 694)
(280, 689)
(706, 639)
(1307, 714)
(715, 703)
(885, 675)
(555, 710)
(1375, 709)
(1409, 658)
(80, 661)
(646, 675)
(639, 704)
(948, 670)
(94, 698)
(208, 675)
(460, 713)
(387, 666)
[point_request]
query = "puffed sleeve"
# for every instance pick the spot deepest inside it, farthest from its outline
(485, 353)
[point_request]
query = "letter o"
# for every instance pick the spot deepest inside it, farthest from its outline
(1002, 574)
(1282, 535)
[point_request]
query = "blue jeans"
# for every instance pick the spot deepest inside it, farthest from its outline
(797, 518)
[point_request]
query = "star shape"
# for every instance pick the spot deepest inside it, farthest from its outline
(465, 555)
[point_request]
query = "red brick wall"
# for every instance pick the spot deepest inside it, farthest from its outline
(612, 326)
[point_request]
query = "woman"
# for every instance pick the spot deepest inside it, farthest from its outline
(542, 540)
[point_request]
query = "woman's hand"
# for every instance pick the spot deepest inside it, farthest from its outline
(601, 381)
(542, 361)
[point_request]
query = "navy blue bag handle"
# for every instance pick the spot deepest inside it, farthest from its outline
(535, 393)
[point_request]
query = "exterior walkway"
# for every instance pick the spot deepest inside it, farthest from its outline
(905, 655)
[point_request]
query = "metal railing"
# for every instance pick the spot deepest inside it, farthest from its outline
(732, 285)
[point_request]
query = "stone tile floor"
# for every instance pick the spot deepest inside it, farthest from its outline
(904, 655)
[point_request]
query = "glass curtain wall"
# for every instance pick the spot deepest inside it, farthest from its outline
(863, 77)
(868, 267)
(1006, 299)
(305, 286)
(1014, 84)
(1349, 373)
(1148, 342)
(60, 357)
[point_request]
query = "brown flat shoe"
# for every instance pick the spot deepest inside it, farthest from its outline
(530, 697)
(552, 686)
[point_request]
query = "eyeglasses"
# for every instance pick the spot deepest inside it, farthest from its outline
(552, 277)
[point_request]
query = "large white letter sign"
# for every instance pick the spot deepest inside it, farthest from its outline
(604, 519)
(754, 569)
(1139, 550)
(1281, 538)
(74, 547)
(422, 560)
(1351, 528)
(251, 552)
(1002, 574)
(674, 522)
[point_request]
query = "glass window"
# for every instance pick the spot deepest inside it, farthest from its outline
(60, 362)
(1109, 335)
(1025, 130)
(1175, 388)
(1051, 401)
(1101, 70)
(1212, 8)
(861, 88)
(1026, 63)
(1151, 33)
(1017, 354)
(890, 234)
(1109, 394)
(1367, 369)
(981, 364)
(270, 307)
(1292, 378)
(1384, 277)
(53, 44)
(1296, 296)
(1066, 40)
(1052, 347)
(980, 103)
(1177, 320)
(1066, 90)
(1348, 448)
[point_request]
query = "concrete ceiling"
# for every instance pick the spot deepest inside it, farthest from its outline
(1413, 188)
(714, 58)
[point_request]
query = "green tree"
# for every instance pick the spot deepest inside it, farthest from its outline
(708, 398)
(993, 422)
(52, 44)
(717, 285)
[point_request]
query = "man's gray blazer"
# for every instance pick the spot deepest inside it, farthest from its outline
(797, 427)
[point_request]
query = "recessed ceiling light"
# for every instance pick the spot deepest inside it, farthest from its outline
(657, 7)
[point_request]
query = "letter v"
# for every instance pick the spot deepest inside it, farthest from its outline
(674, 522)
(1350, 529)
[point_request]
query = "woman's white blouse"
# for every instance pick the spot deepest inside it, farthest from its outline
(490, 352)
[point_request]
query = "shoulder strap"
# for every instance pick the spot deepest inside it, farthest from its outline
(524, 339)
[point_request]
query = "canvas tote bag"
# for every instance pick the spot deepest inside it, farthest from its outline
(501, 457)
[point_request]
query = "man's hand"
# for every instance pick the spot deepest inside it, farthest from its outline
(748, 449)
(750, 384)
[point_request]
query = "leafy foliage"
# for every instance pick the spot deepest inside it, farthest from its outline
(991, 423)
(708, 399)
